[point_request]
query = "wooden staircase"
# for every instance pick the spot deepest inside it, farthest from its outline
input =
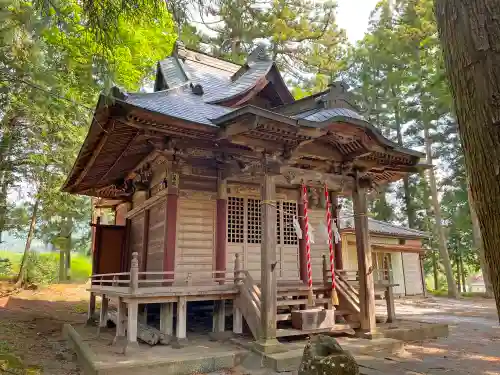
(248, 302)
(292, 296)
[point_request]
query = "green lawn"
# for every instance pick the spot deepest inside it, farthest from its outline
(45, 266)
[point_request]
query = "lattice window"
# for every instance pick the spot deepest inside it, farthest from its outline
(289, 209)
(253, 221)
(235, 219)
(278, 222)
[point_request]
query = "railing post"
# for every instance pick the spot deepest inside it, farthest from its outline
(134, 273)
(237, 316)
(237, 267)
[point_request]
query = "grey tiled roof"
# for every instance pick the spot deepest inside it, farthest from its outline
(217, 84)
(322, 114)
(382, 227)
(179, 103)
(256, 70)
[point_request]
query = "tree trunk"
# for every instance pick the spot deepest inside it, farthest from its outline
(443, 251)
(459, 276)
(462, 272)
(478, 243)
(62, 265)
(410, 211)
(21, 277)
(469, 33)
(435, 271)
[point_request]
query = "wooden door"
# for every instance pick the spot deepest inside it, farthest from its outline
(320, 246)
(245, 233)
(110, 249)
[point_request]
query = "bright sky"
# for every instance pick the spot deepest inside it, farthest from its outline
(353, 15)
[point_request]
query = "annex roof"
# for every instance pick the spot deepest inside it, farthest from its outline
(383, 227)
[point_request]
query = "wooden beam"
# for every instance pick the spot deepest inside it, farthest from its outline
(335, 182)
(317, 150)
(366, 286)
(134, 138)
(93, 158)
(238, 128)
(148, 159)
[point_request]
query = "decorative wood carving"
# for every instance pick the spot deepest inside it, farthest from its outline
(195, 194)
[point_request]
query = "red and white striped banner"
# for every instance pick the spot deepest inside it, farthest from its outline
(308, 241)
(330, 237)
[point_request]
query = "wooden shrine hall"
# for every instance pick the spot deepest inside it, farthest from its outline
(218, 179)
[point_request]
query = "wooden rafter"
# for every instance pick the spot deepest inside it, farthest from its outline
(134, 138)
(92, 159)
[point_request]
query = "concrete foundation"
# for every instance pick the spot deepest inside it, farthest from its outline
(97, 357)
(408, 330)
(204, 355)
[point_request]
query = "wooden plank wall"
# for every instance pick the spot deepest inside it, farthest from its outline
(137, 235)
(156, 237)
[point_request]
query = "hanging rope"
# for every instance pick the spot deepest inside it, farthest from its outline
(308, 247)
(334, 297)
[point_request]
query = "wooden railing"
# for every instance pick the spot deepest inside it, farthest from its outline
(249, 298)
(135, 280)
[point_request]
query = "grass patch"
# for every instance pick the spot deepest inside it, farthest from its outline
(444, 293)
(44, 267)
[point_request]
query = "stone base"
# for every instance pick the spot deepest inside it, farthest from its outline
(369, 335)
(308, 320)
(131, 347)
(220, 336)
(119, 341)
(179, 343)
(268, 346)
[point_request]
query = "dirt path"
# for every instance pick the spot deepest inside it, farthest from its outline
(31, 323)
(473, 346)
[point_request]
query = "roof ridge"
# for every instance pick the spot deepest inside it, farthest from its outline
(189, 54)
(397, 226)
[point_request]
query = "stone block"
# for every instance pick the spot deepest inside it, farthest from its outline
(324, 356)
(312, 319)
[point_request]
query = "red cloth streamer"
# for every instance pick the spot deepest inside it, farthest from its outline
(308, 242)
(330, 240)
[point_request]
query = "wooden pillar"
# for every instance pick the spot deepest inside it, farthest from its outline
(221, 229)
(167, 318)
(95, 239)
(237, 316)
(171, 220)
(268, 263)
(219, 317)
(339, 263)
(103, 316)
(132, 315)
(391, 309)
(180, 331)
(366, 285)
(121, 322)
(302, 241)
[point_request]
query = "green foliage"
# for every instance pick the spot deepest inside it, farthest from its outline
(52, 69)
(44, 267)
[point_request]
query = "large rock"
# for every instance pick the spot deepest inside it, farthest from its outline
(324, 356)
